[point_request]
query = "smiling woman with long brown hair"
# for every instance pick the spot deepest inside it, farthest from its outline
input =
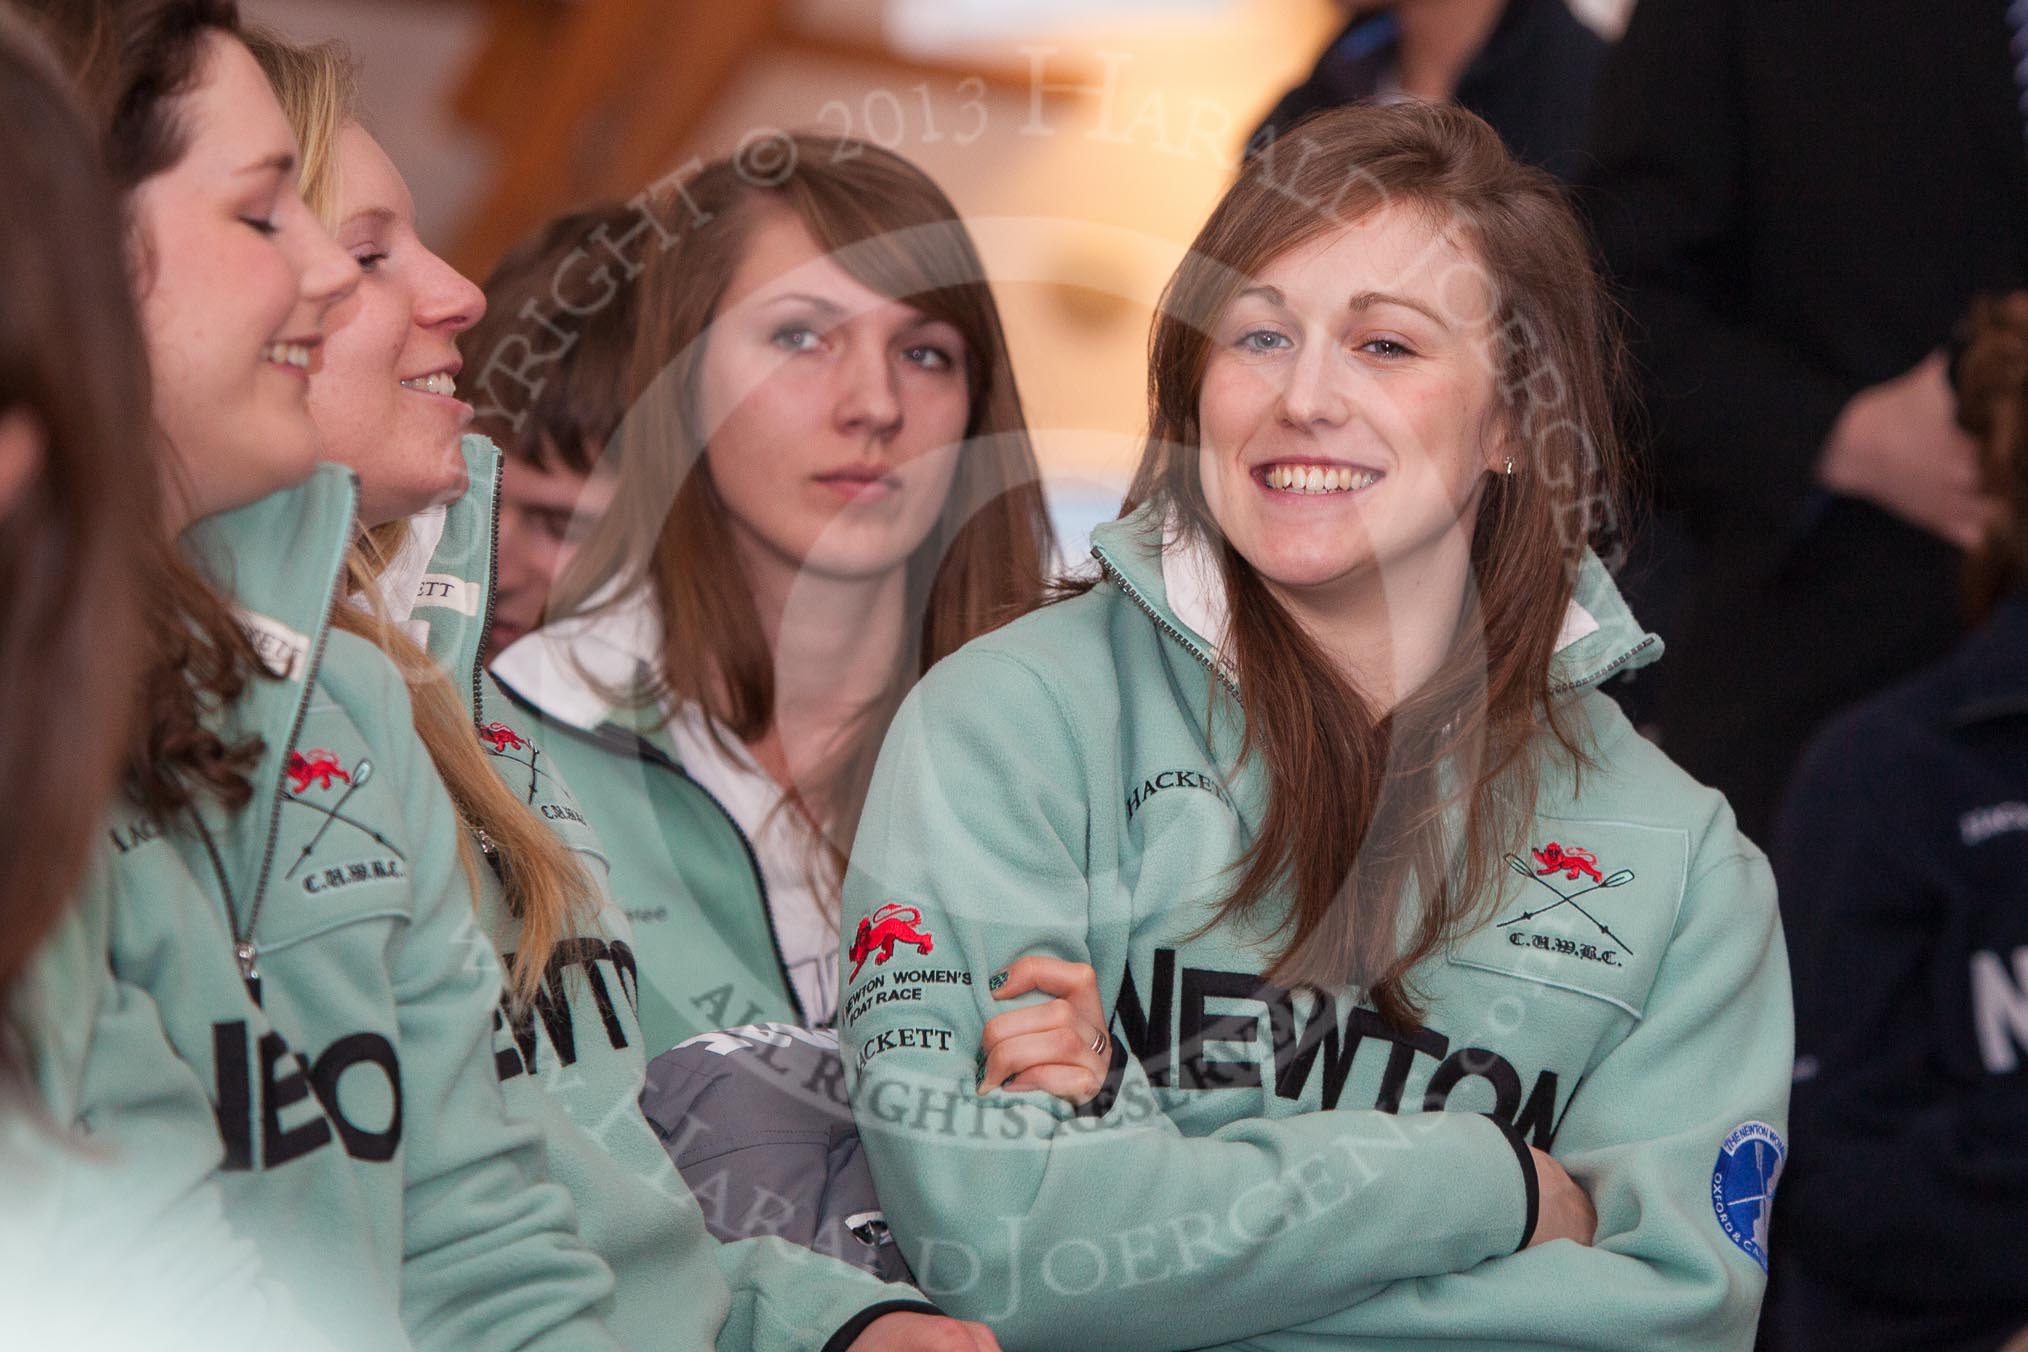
(108, 1148)
(824, 485)
(284, 886)
(1447, 1010)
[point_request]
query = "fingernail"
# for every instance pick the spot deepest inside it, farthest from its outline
(998, 980)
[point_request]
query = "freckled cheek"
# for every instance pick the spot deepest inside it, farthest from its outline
(1231, 405)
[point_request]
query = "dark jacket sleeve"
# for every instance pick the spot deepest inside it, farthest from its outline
(1905, 1177)
(1739, 413)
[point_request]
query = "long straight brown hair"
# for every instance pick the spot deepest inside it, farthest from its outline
(71, 558)
(1365, 808)
(131, 61)
(887, 224)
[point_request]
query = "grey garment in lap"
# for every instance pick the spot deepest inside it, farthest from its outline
(757, 1122)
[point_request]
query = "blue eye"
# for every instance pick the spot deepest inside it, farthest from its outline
(929, 358)
(1386, 347)
(1263, 340)
(796, 338)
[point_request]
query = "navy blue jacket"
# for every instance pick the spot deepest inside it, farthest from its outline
(1902, 859)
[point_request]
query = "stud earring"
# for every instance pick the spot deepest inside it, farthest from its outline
(1510, 466)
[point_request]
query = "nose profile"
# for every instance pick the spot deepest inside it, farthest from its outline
(451, 301)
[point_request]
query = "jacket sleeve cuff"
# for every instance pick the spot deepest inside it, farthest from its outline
(1531, 1186)
(850, 1330)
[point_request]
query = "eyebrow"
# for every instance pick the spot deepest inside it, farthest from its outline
(805, 298)
(377, 215)
(1366, 300)
(281, 162)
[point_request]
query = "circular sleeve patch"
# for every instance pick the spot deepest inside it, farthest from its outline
(1743, 1185)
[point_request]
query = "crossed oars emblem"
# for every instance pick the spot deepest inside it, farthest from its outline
(1619, 879)
(336, 813)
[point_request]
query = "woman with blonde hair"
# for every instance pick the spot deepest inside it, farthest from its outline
(569, 1048)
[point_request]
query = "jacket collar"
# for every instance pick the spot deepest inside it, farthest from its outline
(1177, 581)
(439, 587)
(279, 561)
(1992, 667)
(571, 670)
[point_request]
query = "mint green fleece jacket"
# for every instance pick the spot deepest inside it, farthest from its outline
(108, 1160)
(1280, 1169)
(368, 1155)
(574, 1062)
(686, 872)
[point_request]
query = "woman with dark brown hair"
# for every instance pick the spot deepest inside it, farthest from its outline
(1448, 1012)
(77, 499)
(108, 1152)
(286, 886)
(1902, 852)
(824, 485)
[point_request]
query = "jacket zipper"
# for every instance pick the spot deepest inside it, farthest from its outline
(1565, 687)
(245, 947)
(492, 587)
(615, 738)
(1134, 595)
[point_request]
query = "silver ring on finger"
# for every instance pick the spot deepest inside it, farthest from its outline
(1100, 1043)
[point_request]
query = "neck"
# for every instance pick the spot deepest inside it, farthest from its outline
(1388, 633)
(835, 641)
(1437, 40)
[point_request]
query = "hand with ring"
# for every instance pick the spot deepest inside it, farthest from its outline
(1059, 1046)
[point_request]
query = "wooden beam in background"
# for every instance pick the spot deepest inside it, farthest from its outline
(642, 66)
(595, 99)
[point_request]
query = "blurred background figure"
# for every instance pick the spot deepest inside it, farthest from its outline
(1526, 66)
(1800, 200)
(1903, 866)
(547, 364)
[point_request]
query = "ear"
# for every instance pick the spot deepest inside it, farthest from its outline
(23, 444)
(1496, 443)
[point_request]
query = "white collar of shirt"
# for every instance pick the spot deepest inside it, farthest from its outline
(566, 668)
(400, 583)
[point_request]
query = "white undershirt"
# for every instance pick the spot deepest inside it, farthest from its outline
(809, 938)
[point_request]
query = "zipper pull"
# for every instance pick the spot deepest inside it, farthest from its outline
(244, 950)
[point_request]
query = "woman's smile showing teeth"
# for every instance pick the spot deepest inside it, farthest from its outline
(437, 382)
(1316, 479)
(295, 356)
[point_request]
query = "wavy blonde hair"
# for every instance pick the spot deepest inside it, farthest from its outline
(546, 889)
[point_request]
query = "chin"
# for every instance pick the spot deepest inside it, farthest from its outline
(1292, 563)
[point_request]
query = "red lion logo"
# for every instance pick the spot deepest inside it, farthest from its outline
(319, 765)
(1570, 862)
(886, 927)
(501, 737)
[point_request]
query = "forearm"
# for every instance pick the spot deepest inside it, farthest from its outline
(1120, 1231)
